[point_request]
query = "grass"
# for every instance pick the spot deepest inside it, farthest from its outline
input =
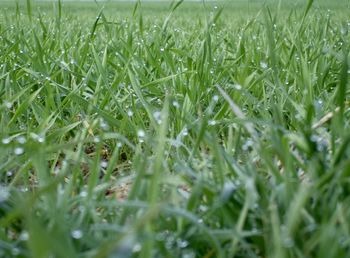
(216, 129)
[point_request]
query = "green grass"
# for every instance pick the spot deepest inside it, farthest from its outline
(162, 130)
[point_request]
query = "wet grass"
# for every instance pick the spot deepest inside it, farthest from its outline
(174, 130)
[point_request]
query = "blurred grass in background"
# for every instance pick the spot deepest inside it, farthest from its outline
(174, 130)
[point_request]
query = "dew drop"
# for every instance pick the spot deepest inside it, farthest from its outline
(263, 65)
(19, 151)
(6, 140)
(130, 113)
(216, 98)
(4, 193)
(136, 248)
(141, 133)
(182, 243)
(83, 194)
(24, 236)
(176, 104)
(104, 164)
(212, 122)
(77, 234)
(237, 86)
(185, 132)
(8, 104)
(21, 139)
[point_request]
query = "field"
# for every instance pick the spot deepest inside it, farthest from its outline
(174, 129)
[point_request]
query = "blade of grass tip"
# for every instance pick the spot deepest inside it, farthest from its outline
(155, 178)
(278, 249)
(341, 93)
(136, 86)
(94, 171)
(301, 26)
(136, 7)
(295, 209)
(94, 26)
(29, 10)
(59, 15)
(172, 10)
(308, 7)
(238, 112)
(157, 166)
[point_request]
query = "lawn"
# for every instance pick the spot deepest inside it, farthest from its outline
(174, 129)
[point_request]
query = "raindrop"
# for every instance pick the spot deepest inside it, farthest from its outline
(119, 144)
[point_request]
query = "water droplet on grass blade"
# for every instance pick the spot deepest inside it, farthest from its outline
(6, 140)
(83, 194)
(237, 86)
(8, 104)
(130, 113)
(104, 164)
(212, 122)
(24, 236)
(15, 251)
(21, 140)
(4, 193)
(263, 65)
(77, 234)
(182, 243)
(141, 134)
(176, 104)
(19, 151)
(136, 248)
